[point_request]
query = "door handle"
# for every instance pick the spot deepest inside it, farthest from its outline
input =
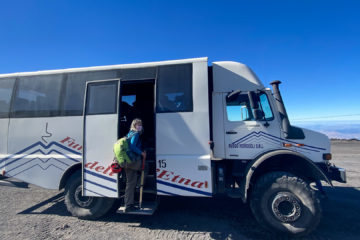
(231, 132)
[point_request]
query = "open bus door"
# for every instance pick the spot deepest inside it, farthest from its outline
(100, 128)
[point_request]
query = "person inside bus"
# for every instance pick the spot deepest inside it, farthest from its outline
(131, 169)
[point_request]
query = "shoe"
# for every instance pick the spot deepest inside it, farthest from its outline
(131, 208)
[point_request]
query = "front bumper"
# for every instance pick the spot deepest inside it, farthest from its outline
(333, 173)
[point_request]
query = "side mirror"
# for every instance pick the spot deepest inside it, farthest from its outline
(254, 103)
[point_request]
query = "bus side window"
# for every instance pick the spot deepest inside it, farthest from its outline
(265, 105)
(239, 109)
(6, 89)
(37, 96)
(174, 89)
(74, 90)
(102, 98)
(74, 95)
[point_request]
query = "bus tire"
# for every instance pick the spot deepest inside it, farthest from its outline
(84, 207)
(283, 202)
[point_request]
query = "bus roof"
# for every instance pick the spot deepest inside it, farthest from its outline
(103, 68)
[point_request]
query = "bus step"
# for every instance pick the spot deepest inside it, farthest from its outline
(148, 208)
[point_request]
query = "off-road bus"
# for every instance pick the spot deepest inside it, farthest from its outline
(210, 128)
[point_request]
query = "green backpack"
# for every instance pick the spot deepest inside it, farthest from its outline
(121, 150)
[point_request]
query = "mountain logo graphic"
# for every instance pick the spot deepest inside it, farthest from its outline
(52, 155)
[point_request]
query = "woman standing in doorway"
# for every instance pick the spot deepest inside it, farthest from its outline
(131, 169)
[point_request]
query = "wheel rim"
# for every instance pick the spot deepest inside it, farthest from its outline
(286, 207)
(81, 200)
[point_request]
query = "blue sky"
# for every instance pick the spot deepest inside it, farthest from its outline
(313, 47)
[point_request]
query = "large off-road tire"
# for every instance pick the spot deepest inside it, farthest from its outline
(283, 202)
(84, 207)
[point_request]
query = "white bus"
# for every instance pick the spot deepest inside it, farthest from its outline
(209, 129)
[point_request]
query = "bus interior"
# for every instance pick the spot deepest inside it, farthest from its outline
(137, 100)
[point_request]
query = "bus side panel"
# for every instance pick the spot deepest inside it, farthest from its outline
(100, 135)
(184, 175)
(4, 123)
(6, 91)
(182, 148)
(218, 125)
(41, 149)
